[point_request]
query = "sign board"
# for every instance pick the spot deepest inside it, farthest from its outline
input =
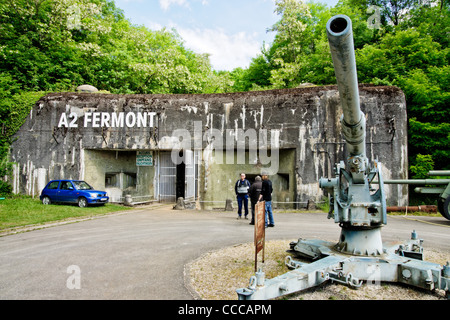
(144, 159)
(260, 230)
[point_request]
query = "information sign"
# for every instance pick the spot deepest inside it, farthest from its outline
(144, 159)
(260, 230)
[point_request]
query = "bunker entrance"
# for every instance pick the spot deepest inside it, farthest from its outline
(178, 175)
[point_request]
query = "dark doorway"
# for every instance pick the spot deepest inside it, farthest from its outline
(181, 180)
(251, 177)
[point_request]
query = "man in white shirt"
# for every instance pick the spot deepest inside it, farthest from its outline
(241, 188)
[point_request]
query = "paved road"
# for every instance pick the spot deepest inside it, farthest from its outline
(141, 254)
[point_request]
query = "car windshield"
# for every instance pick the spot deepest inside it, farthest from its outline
(81, 185)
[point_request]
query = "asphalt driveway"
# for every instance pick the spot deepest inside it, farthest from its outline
(141, 254)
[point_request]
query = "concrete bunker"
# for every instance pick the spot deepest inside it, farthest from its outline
(161, 147)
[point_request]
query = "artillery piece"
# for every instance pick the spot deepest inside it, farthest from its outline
(357, 205)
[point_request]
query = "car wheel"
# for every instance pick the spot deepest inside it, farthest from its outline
(82, 202)
(46, 200)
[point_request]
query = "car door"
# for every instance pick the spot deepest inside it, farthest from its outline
(67, 192)
(52, 190)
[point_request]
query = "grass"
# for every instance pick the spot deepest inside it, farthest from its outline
(413, 213)
(19, 211)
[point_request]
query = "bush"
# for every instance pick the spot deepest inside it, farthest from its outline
(424, 164)
(5, 188)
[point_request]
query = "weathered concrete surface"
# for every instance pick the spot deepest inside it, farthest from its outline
(299, 126)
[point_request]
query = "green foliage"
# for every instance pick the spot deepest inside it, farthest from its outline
(432, 19)
(410, 50)
(57, 45)
(256, 76)
(5, 188)
(423, 164)
(427, 92)
(397, 54)
(393, 12)
(413, 57)
(431, 138)
(15, 106)
(300, 51)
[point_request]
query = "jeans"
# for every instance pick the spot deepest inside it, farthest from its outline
(242, 198)
(269, 213)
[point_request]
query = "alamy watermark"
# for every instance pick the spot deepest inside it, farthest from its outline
(230, 146)
(73, 17)
(374, 278)
(374, 21)
(74, 280)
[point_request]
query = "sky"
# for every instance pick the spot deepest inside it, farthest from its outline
(231, 31)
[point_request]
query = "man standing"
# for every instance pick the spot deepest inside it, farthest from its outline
(266, 195)
(241, 188)
(254, 192)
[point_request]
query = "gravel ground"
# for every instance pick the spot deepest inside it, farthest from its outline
(216, 276)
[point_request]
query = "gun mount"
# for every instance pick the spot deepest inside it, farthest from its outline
(357, 205)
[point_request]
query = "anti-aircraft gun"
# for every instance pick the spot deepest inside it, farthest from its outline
(359, 213)
(357, 204)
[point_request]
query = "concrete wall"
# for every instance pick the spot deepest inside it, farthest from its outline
(221, 178)
(64, 133)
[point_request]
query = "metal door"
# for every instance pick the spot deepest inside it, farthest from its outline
(52, 190)
(167, 177)
(189, 160)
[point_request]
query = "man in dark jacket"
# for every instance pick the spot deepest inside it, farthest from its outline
(254, 192)
(266, 195)
(241, 188)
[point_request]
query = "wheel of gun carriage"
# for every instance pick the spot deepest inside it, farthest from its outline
(444, 207)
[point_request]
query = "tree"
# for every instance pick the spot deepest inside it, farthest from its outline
(299, 52)
(409, 50)
(423, 165)
(57, 45)
(419, 66)
(291, 41)
(255, 76)
(431, 18)
(60, 44)
(291, 36)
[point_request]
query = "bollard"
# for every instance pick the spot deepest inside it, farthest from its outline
(128, 201)
(229, 205)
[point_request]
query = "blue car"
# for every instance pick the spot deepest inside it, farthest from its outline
(72, 191)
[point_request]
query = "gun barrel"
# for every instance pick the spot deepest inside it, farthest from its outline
(439, 173)
(419, 181)
(340, 38)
